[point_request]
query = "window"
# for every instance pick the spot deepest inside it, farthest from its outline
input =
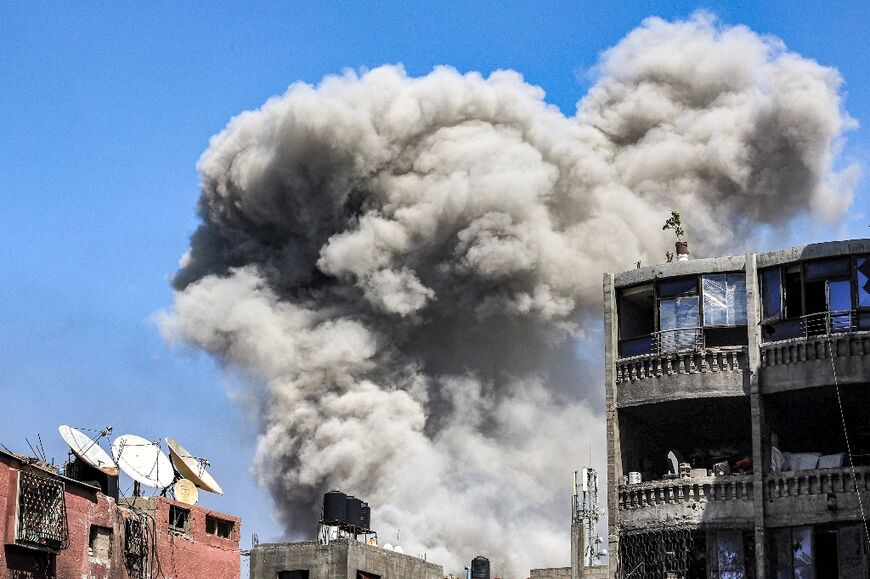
(771, 294)
(679, 314)
(636, 320)
(179, 519)
(863, 281)
(726, 555)
(724, 299)
(364, 575)
(219, 527)
(100, 543)
(297, 574)
(793, 553)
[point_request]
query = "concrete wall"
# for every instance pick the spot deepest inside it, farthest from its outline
(340, 559)
(551, 573)
(192, 556)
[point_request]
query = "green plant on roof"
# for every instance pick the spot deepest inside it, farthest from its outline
(673, 222)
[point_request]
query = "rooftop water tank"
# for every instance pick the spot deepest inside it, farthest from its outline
(334, 506)
(480, 568)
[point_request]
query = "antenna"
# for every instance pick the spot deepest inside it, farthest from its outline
(143, 461)
(587, 512)
(89, 449)
(192, 468)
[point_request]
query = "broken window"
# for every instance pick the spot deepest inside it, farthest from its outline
(636, 320)
(726, 555)
(179, 519)
(219, 527)
(724, 299)
(100, 543)
(296, 574)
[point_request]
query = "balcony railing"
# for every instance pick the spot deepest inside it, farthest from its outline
(823, 481)
(699, 360)
(685, 490)
(811, 325)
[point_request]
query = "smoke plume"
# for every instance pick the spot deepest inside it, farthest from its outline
(404, 266)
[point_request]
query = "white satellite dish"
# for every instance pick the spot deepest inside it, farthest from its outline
(192, 469)
(143, 461)
(388, 547)
(88, 450)
(398, 549)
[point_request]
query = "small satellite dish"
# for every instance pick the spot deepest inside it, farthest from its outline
(398, 549)
(388, 547)
(88, 450)
(192, 469)
(185, 492)
(143, 461)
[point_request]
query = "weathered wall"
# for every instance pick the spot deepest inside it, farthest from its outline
(551, 573)
(339, 560)
(193, 555)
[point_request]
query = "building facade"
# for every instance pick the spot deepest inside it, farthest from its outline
(738, 431)
(55, 526)
(338, 559)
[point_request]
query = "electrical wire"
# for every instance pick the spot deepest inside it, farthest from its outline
(846, 436)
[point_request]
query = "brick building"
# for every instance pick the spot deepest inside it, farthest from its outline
(738, 434)
(54, 526)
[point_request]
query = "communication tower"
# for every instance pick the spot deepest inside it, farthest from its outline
(586, 512)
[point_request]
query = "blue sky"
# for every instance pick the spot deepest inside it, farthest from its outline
(106, 108)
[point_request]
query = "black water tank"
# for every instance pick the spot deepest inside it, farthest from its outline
(365, 516)
(480, 568)
(334, 506)
(354, 511)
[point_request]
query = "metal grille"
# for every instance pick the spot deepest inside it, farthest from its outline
(42, 511)
(663, 554)
(135, 547)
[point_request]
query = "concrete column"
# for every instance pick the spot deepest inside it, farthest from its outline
(759, 466)
(614, 450)
(578, 548)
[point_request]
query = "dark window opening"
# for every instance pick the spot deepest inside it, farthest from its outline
(219, 527)
(365, 575)
(179, 519)
(771, 294)
(793, 292)
(727, 558)
(296, 574)
(800, 423)
(29, 563)
(100, 543)
(821, 551)
(678, 287)
(636, 313)
(863, 281)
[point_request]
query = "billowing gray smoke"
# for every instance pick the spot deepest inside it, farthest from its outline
(404, 265)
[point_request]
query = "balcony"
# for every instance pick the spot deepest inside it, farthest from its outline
(803, 357)
(680, 366)
(692, 501)
(816, 496)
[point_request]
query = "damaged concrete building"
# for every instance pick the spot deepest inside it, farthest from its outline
(737, 396)
(338, 559)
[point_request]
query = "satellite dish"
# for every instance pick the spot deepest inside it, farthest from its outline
(674, 460)
(192, 469)
(88, 450)
(388, 547)
(143, 461)
(185, 492)
(398, 549)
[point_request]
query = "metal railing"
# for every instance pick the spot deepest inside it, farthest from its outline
(678, 340)
(811, 325)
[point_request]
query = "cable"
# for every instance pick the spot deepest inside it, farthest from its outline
(846, 436)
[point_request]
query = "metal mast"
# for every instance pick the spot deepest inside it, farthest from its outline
(587, 512)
